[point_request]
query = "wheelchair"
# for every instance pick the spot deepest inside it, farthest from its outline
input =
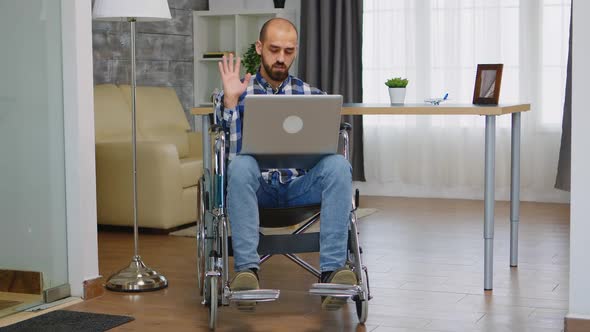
(214, 242)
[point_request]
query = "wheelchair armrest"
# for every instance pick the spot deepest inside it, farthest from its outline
(345, 126)
(217, 150)
(215, 128)
(344, 144)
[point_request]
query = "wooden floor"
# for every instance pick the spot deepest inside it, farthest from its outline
(11, 303)
(425, 261)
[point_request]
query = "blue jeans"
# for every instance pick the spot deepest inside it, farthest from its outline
(329, 182)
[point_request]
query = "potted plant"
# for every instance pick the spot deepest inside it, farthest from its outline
(251, 59)
(397, 89)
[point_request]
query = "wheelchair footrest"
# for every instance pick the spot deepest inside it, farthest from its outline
(256, 295)
(335, 290)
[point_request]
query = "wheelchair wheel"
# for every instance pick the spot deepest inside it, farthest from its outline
(355, 261)
(201, 259)
(362, 306)
(213, 302)
(362, 310)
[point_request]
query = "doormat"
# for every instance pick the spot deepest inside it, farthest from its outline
(65, 320)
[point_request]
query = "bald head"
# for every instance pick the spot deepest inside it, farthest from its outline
(276, 23)
(277, 47)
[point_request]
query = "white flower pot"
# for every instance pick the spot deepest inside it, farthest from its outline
(397, 95)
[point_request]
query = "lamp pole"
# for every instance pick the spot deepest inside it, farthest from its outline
(136, 277)
(132, 21)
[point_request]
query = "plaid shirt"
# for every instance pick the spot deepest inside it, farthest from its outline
(231, 119)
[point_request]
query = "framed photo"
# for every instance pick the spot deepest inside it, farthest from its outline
(487, 84)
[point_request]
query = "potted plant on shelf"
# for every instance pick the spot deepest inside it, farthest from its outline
(251, 59)
(397, 89)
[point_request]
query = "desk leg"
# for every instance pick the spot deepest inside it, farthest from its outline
(206, 143)
(514, 189)
(489, 200)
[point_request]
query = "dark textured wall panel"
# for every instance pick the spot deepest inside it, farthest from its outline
(164, 51)
(164, 47)
(189, 4)
(181, 24)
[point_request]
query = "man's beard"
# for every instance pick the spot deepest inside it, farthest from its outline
(276, 75)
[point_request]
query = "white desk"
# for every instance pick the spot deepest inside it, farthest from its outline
(490, 112)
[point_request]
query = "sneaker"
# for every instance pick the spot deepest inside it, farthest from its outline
(343, 276)
(245, 281)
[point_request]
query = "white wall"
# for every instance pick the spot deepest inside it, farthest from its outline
(79, 143)
(579, 297)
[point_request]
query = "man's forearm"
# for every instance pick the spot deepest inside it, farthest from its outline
(222, 111)
(230, 103)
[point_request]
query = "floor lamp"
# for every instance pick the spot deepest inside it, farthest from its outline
(136, 277)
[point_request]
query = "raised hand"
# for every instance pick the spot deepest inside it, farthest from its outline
(233, 87)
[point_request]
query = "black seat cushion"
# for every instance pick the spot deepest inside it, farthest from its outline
(285, 217)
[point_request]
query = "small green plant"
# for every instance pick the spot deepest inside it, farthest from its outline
(251, 59)
(397, 82)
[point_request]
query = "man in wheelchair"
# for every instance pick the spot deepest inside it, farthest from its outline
(249, 187)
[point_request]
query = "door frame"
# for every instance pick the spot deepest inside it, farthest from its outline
(78, 98)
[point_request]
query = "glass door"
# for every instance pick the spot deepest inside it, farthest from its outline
(33, 253)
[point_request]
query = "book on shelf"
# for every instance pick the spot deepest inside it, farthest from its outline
(214, 55)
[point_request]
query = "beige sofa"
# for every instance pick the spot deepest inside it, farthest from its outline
(169, 161)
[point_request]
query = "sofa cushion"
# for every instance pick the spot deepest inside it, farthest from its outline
(191, 170)
(160, 116)
(112, 116)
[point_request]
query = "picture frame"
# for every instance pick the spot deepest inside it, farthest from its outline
(487, 84)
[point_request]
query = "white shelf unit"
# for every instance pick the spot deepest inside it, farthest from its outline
(220, 31)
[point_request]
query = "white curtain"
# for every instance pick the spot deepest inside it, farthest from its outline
(437, 46)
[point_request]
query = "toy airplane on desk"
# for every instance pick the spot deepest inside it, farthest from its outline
(436, 101)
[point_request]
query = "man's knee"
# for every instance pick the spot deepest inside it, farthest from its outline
(243, 167)
(338, 166)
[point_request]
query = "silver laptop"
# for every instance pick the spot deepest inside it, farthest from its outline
(290, 131)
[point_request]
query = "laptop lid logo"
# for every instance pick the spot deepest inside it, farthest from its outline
(292, 124)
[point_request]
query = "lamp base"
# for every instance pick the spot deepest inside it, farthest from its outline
(136, 278)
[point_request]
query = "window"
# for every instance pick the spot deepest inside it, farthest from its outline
(437, 45)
